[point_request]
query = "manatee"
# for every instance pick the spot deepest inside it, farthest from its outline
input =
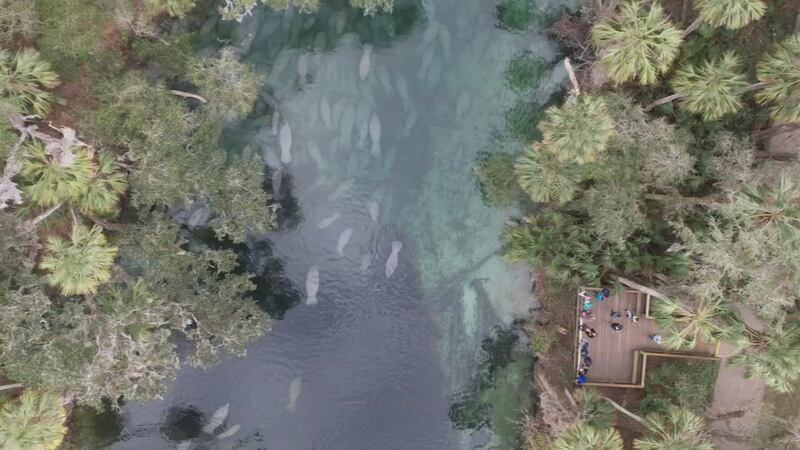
(344, 238)
(363, 132)
(375, 130)
(374, 210)
(342, 189)
(435, 73)
(462, 104)
(444, 38)
(229, 432)
(366, 62)
(328, 221)
(276, 122)
(184, 445)
(286, 143)
(216, 419)
(366, 260)
(427, 59)
(430, 33)
(314, 153)
(302, 68)
(277, 181)
(312, 286)
(325, 112)
(319, 41)
(271, 159)
(391, 262)
(346, 126)
(294, 392)
(247, 153)
(411, 120)
(383, 77)
(402, 90)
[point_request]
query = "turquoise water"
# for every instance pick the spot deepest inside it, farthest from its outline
(399, 346)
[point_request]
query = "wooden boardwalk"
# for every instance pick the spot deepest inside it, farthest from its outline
(613, 353)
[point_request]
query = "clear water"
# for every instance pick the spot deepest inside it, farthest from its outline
(377, 362)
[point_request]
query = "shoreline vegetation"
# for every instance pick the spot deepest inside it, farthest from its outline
(671, 160)
(109, 157)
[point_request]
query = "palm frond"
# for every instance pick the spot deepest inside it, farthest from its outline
(578, 130)
(586, 437)
(46, 182)
(35, 420)
(780, 70)
(639, 42)
(546, 178)
(712, 89)
(730, 14)
(677, 428)
(78, 265)
(105, 188)
(24, 80)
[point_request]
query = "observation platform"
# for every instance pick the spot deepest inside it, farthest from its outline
(619, 358)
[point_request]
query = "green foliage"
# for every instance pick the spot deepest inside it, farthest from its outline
(18, 19)
(518, 14)
(24, 80)
(239, 9)
(47, 181)
(676, 428)
(34, 420)
(229, 85)
(497, 187)
(18, 245)
(593, 409)
(685, 324)
(712, 89)
(772, 209)
(688, 384)
(614, 209)
(542, 340)
(521, 120)
(525, 71)
(175, 8)
(545, 177)
(105, 187)
(639, 42)
(73, 34)
(571, 252)
(731, 14)
(773, 356)
(586, 437)
(169, 55)
(203, 285)
(80, 264)
(578, 130)
(780, 70)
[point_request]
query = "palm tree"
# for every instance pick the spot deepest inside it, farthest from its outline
(713, 89)
(711, 318)
(772, 207)
(35, 420)
(773, 356)
(677, 428)
(546, 178)
(48, 182)
(731, 14)
(779, 73)
(586, 437)
(638, 42)
(593, 409)
(105, 187)
(578, 130)
(23, 80)
(78, 265)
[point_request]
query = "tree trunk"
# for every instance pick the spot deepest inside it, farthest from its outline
(188, 95)
(107, 225)
(575, 87)
(692, 27)
(10, 386)
(621, 409)
(667, 99)
(781, 157)
(35, 221)
(754, 87)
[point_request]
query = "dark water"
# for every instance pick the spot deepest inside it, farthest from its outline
(377, 362)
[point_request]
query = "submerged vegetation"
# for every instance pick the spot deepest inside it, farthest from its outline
(685, 194)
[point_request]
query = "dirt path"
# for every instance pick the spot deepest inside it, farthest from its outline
(737, 401)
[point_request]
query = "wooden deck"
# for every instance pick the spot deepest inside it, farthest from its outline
(615, 355)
